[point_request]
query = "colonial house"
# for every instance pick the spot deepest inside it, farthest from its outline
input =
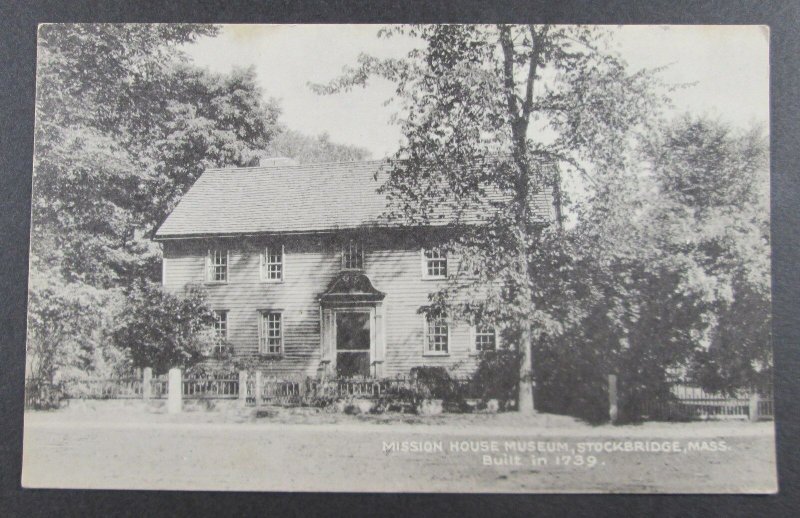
(305, 273)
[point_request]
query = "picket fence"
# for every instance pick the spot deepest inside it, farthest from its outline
(289, 392)
(685, 401)
(273, 390)
(692, 402)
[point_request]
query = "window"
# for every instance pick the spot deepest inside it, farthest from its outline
(217, 265)
(271, 339)
(434, 264)
(221, 324)
(272, 265)
(352, 255)
(485, 338)
(437, 336)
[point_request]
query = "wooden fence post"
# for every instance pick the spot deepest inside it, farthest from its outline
(259, 389)
(147, 385)
(613, 407)
(243, 387)
(754, 399)
(175, 398)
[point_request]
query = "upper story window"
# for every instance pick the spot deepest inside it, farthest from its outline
(271, 339)
(485, 338)
(217, 262)
(434, 264)
(437, 336)
(221, 324)
(353, 255)
(272, 264)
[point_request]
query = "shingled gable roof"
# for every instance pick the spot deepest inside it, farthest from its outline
(280, 198)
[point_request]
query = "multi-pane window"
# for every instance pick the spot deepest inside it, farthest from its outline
(485, 338)
(434, 264)
(436, 336)
(218, 265)
(272, 268)
(271, 341)
(352, 255)
(221, 324)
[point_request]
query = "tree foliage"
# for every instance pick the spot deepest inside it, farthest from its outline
(59, 316)
(713, 181)
(124, 126)
(163, 330)
(307, 149)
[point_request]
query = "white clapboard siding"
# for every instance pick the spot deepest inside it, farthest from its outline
(310, 263)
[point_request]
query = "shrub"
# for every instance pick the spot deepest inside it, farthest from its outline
(211, 371)
(571, 380)
(497, 376)
(435, 383)
(320, 401)
(162, 330)
(400, 399)
(43, 395)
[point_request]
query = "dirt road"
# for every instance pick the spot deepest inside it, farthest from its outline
(281, 457)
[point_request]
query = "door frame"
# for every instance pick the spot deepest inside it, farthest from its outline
(370, 310)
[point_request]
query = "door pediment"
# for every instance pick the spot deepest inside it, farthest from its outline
(349, 288)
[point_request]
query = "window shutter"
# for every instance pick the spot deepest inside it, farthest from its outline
(261, 332)
(209, 266)
(263, 264)
(283, 262)
(327, 334)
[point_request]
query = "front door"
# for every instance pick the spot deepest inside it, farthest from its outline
(352, 343)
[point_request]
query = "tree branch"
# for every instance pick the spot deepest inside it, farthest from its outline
(508, 70)
(536, 48)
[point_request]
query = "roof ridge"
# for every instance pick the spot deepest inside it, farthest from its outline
(307, 165)
(373, 161)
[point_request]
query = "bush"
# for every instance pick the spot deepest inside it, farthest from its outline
(320, 401)
(211, 371)
(43, 395)
(400, 399)
(497, 376)
(435, 383)
(571, 380)
(162, 330)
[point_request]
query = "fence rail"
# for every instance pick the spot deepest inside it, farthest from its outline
(691, 402)
(159, 387)
(119, 388)
(210, 387)
(369, 388)
(683, 402)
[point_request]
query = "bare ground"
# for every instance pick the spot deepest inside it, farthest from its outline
(130, 445)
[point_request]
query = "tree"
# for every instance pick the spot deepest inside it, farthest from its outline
(306, 149)
(163, 330)
(124, 126)
(713, 181)
(58, 318)
(485, 113)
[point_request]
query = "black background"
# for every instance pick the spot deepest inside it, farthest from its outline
(17, 77)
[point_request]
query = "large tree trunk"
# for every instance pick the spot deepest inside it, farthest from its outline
(526, 403)
(520, 119)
